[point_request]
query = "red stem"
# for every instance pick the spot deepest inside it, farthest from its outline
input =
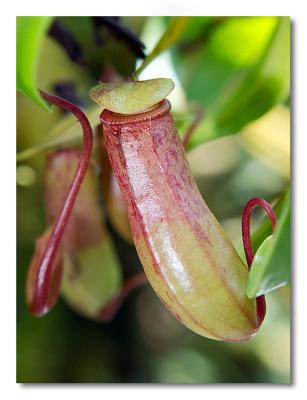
(247, 242)
(199, 113)
(40, 299)
(109, 310)
(246, 235)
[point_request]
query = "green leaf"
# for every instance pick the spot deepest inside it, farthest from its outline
(266, 85)
(30, 34)
(172, 33)
(238, 71)
(196, 27)
(91, 277)
(270, 268)
(209, 67)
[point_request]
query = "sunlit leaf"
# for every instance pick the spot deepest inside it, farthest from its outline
(236, 75)
(205, 72)
(172, 33)
(30, 34)
(271, 266)
(229, 42)
(196, 28)
(267, 84)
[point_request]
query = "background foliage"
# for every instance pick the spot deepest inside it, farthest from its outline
(238, 70)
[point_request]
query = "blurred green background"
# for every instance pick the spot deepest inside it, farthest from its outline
(238, 70)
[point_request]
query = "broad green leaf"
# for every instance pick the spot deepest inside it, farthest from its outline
(229, 43)
(208, 73)
(267, 84)
(172, 33)
(238, 73)
(270, 268)
(196, 27)
(30, 34)
(91, 277)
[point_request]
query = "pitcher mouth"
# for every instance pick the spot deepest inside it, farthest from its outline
(111, 118)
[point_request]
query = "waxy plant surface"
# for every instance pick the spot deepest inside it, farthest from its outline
(190, 263)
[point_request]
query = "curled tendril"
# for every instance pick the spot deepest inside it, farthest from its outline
(247, 242)
(45, 269)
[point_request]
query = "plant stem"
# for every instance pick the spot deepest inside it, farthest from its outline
(247, 243)
(169, 37)
(108, 311)
(199, 114)
(246, 235)
(44, 271)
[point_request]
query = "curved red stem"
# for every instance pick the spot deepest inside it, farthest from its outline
(199, 114)
(40, 298)
(110, 309)
(246, 235)
(247, 242)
